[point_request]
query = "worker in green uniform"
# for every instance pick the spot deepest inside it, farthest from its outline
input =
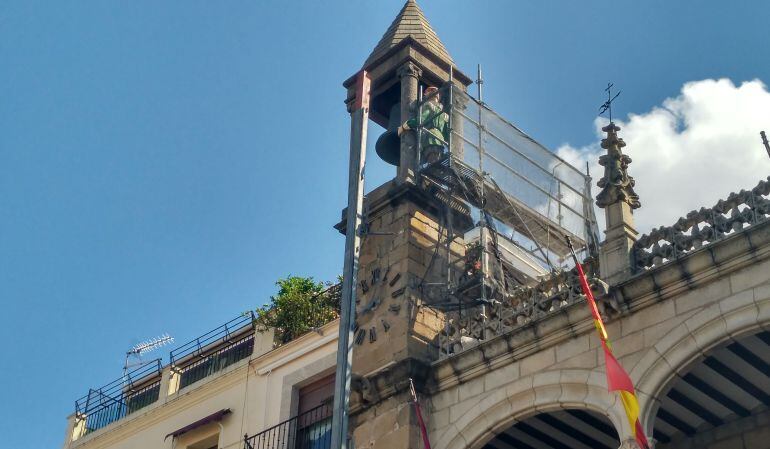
(435, 126)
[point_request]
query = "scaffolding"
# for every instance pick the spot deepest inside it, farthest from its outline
(520, 200)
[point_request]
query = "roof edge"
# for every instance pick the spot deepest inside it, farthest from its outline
(424, 51)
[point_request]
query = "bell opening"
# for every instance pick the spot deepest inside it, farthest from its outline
(386, 112)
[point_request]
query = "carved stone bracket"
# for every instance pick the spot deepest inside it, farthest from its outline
(392, 380)
(362, 384)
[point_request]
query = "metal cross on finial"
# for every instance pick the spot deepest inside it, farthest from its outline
(607, 105)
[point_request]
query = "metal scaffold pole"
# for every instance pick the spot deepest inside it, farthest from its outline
(483, 230)
(359, 118)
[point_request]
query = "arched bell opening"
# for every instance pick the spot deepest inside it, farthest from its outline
(558, 429)
(386, 112)
(722, 400)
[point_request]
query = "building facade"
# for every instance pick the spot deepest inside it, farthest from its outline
(230, 382)
(464, 290)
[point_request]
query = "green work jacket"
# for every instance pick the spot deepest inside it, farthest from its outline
(435, 123)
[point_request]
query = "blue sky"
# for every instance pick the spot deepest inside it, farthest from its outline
(163, 163)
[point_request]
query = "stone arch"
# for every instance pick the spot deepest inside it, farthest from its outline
(716, 325)
(527, 396)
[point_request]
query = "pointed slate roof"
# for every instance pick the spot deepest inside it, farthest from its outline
(410, 22)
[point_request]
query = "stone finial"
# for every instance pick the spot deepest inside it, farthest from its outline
(616, 185)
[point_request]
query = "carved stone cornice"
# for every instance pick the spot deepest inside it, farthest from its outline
(617, 186)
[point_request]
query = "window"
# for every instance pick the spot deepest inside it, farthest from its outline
(314, 414)
(316, 394)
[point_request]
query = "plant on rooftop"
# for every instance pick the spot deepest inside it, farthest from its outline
(301, 305)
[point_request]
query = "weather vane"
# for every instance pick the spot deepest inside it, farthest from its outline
(607, 105)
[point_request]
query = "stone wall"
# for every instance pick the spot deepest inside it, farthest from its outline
(674, 314)
(395, 334)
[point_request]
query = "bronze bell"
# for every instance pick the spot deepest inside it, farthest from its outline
(388, 145)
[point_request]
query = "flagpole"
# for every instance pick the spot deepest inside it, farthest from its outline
(617, 377)
(588, 293)
(423, 430)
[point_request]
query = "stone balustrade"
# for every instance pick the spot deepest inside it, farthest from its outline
(465, 329)
(702, 227)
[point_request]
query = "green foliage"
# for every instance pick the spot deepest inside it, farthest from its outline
(301, 305)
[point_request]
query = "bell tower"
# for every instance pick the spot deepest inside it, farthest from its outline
(409, 56)
(394, 335)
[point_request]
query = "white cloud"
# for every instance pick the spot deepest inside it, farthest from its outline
(691, 151)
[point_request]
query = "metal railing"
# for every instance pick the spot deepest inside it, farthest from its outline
(133, 391)
(195, 360)
(216, 361)
(310, 430)
(222, 334)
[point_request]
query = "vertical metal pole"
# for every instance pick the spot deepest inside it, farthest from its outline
(419, 127)
(765, 142)
(483, 218)
(359, 118)
(558, 195)
(125, 371)
(449, 228)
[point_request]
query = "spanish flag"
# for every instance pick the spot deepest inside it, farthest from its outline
(617, 378)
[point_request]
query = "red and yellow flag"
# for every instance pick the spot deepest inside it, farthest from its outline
(617, 378)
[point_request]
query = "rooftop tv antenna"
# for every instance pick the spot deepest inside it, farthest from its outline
(142, 348)
(764, 141)
(607, 105)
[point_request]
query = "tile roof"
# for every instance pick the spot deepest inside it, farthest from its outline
(410, 22)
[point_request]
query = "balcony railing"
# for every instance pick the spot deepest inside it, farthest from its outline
(221, 334)
(216, 361)
(140, 387)
(121, 397)
(310, 430)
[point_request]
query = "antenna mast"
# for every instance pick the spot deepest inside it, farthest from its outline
(143, 348)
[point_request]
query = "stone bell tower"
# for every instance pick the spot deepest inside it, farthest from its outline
(408, 56)
(394, 334)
